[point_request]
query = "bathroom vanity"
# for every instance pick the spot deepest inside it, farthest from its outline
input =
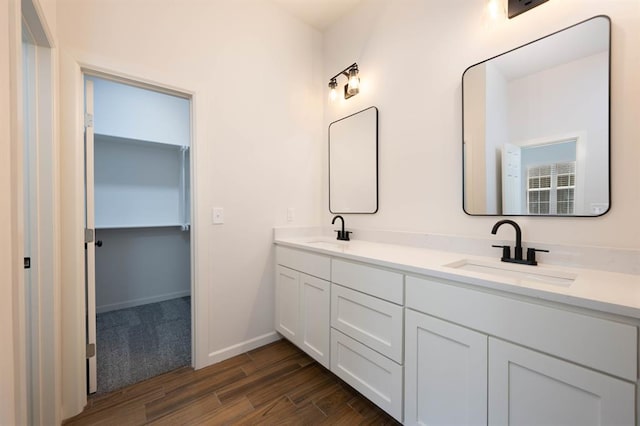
(433, 340)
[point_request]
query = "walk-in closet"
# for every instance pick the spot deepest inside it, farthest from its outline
(139, 205)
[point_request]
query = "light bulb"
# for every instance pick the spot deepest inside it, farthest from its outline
(354, 81)
(333, 94)
(493, 7)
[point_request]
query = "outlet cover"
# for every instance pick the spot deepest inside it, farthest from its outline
(291, 213)
(516, 7)
(217, 215)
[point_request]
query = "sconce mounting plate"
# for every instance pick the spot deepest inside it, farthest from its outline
(348, 95)
(516, 7)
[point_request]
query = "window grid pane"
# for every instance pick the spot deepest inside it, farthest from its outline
(551, 189)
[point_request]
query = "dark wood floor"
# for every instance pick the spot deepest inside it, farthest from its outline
(274, 384)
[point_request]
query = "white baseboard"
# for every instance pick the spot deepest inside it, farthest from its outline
(143, 301)
(242, 347)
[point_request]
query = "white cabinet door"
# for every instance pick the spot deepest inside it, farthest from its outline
(530, 388)
(288, 303)
(445, 373)
(314, 318)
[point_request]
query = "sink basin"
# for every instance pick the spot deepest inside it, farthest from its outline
(523, 273)
(331, 245)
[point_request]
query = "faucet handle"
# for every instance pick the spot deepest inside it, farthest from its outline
(506, 251)
(531, 255)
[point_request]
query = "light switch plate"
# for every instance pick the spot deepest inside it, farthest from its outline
(217, 215)
(291, 213)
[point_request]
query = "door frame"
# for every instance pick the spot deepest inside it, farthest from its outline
(38, 307)
(72, 72)
(90, 253)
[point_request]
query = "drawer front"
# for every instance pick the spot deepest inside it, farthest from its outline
(366, 279)
(373, 375)
(572, 336)
(309, 263)
(369, 320)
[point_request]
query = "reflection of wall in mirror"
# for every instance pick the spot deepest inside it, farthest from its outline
(474, 133)
(568, 99)
(497, 134)
(353, 163)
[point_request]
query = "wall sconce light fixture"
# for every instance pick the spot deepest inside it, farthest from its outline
(516, 7)
(352, 87)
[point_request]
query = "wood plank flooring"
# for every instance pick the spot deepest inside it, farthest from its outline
(274, 384)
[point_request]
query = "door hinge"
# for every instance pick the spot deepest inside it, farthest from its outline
(88, 120)
(27, 263)
(91, 350)
(88, 235)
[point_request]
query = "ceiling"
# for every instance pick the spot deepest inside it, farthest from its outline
(318, 13)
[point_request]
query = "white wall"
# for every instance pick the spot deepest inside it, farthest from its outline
(136, 113)
(137, 183)
(8, 237)
(255, 74)
(497, 111)
(411, 55)
(139, 266)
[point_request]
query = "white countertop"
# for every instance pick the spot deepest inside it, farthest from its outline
(610, 292)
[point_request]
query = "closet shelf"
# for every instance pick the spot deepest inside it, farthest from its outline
(159, 225)
(101, 137)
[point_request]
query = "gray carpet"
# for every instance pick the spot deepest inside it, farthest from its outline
(138, 343)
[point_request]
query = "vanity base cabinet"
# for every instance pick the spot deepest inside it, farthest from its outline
(302, 312)
(375, 376)
(445, 373)
(528, 387)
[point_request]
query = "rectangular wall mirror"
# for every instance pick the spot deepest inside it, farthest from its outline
(536, 127)
(353, 163)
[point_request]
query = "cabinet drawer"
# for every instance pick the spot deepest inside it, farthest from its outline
(373, 375)
(369, 320)
(309, 263)
(579, 338)
(374, 281)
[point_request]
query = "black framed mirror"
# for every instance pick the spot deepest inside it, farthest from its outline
(353, 163)
(536, 119)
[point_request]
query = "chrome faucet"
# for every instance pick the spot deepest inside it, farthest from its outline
(506, 250)
(342, 234)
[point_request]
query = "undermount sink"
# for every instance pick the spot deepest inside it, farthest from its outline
(327, 244)
(522, 273)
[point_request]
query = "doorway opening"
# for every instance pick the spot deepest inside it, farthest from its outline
(138, 238)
